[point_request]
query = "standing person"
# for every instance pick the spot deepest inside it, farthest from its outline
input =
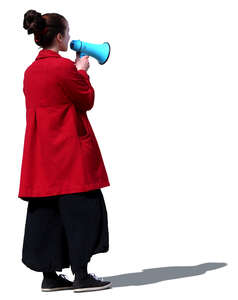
(62, 169)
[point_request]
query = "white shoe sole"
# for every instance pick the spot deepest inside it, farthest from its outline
(56, 289)
(76, 290)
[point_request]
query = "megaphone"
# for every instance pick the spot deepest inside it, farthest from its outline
(99, 51)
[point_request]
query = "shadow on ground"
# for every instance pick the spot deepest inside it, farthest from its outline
(148, 276)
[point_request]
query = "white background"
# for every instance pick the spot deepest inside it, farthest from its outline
(165, 117)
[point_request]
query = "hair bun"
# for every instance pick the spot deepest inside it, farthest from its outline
(33, 21)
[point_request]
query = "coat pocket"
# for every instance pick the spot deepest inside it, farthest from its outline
(81, 124)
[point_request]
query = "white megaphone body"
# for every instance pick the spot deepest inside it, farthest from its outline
(99, 51)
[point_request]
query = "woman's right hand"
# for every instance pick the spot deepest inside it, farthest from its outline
(82, 63)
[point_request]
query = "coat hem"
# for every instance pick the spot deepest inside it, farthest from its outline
(62, 191)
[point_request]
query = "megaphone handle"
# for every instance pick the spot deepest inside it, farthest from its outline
(81, 54)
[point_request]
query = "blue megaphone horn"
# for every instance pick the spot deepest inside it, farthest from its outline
(99, 51)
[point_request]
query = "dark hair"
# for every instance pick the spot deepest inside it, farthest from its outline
(45, 27)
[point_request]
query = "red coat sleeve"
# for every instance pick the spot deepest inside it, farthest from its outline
(76, 85)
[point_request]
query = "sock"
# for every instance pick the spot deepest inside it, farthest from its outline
(81, 273)
(50, 274)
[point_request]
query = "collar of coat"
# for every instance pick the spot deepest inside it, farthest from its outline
(44, 53)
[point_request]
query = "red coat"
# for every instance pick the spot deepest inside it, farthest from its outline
(60, 154)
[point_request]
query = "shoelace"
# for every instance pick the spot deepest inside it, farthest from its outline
(96, 277)
(63, 276)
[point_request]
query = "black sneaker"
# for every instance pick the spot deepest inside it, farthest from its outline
(56, 284)
(90, 283)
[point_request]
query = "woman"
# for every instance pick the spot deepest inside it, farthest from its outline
(62, 169)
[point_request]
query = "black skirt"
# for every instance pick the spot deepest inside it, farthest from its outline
(64, 230)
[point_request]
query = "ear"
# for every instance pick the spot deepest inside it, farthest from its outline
(59, 36)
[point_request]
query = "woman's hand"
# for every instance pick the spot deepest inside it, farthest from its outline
(82, 63)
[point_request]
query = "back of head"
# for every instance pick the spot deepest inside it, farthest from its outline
(44, 27)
